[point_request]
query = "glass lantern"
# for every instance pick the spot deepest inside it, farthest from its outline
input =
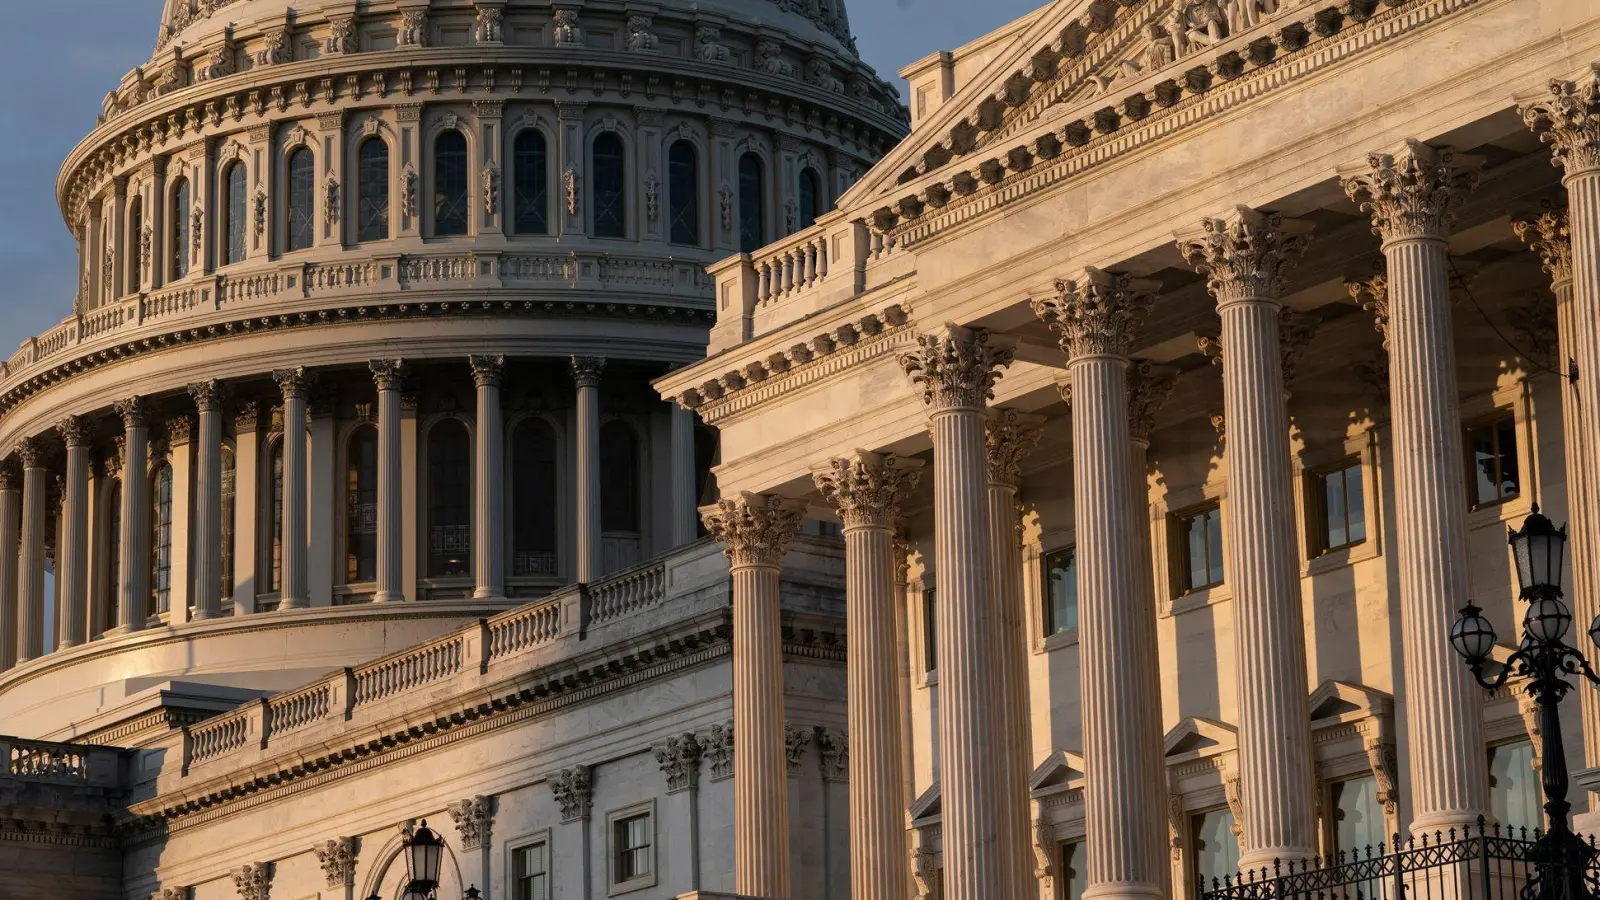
(424, 853)
(1538, 549)
(1472, 636)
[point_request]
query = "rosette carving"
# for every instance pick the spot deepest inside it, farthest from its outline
(956, 367)
(868, 488)
(1097, 313)
(1414, 192)
(756, 528)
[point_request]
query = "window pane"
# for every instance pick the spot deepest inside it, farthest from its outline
(632, 847)
(1074, 871)
(1333, 509)
(1197, 552)
(180, 229)
(610, 187)
(531, 188)
(302, 199)
(1214, 545)
(1357, 815)
(114, 555)
(532, 873)
(751, 214)
(1061, 579)
(450, 184)
(135, 257)
(1355, 504)
(449, 499)
(1514, 793)
(683, 191)
(810, 195)
(930, 632)
(373, 191)
(361, 507)
(275, 582)
(161, 549)
(229, 493)
(533, 499)
(233, 221)
(619, 478)
(1484, 465)
(1506, 443)
(1216, 850)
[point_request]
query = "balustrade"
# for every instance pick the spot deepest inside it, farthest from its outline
(215, 737)
(412, 668)
(797, 264)
(628, 592)
(524, 628)
(47, 761)
(295, 711)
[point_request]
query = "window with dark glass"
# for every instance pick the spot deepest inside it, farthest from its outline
(449, 499)
(275, 532)
(229, 504)
(930, 630)
(1061, 585)
(532, 188)
(705, 483)
(135, 255)
(752, 213)
(372, 190)
(113, 553)
(235, 214)
(302, 199)
(1357, 815)
(1493, 473)
(361, 506)
(619, 478)
(450, 200)
(179, 228)
(1215, 848)
(683, 193)
(1200, 549)
(610, 187)
(531, 872)
(533, 499)
(1339, 506)
(810, 198)
(161, 546)
(1074, 870)
(632, 854)
(1515, 797)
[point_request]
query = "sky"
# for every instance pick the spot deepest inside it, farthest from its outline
(65, 55)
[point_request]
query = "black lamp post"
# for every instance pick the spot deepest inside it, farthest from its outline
(1545, 660)
(424, 851)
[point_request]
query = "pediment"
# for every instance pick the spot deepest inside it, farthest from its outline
(927, 805)
(1200, 736)
(1059, 771)
(1336, 699)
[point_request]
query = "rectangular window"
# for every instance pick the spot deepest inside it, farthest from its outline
(1061, 583)
(1216, 848)
(1199, 549)
(1074, 871)
(531, 872)
(1493, 474)
(1357, 815)
(1339, 503)
(631, 850)
(1514, 792)
(930, 631)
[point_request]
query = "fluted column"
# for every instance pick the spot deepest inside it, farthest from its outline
(72, 557)
(488, 508)
(30, 572)
(207, 533)
(1245, 258)
(10, 544)
(586, 372)
(133, 561)
(1095, 315)
(1412, 195)
(295, 384)
(1011, 436)
(684, 499)
(389, 375)
(868, 490)
(955, 369)
(756, 529)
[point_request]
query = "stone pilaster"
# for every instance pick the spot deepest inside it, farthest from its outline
(72, 571)
(1412, 195)
(1095, 316)
(488, 509)
(133, 562)
(586, 372)
(868, 490)
(1245, 258)
(30, 572)
(10, 544)
(295, 385)
(208, 400)
(956, 369)
(756, 530)
(389, 376)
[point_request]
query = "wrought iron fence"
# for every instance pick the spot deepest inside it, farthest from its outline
(1477, 863)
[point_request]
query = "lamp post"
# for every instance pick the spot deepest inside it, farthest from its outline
(1545, 660)
(424, 851)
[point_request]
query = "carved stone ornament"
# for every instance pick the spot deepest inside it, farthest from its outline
(1096, 313)
(197, 221)
(833, 750)
(791, 216)
(926, 876)
(180, 430)
(171, 893)
(341, 36)
(755, 528)
(253, 881)
(707, 44)
(135, 412)
(147, 238)
(587, 370)
(868, 488)
(246, 417)
(1569, 121)
(491, 189)
(1247, 255)
(74, 431)
(1233, 792)
(569, 183)
(795, 741)
(338, 860)
(330, 200)
(414, 28)
(1385, 763)
(1534, 321)
(956, 367)
(1044, 851)
(1177, 825)
(1414, 192)
(295, 383)
(652, 195)
(640, 39)
(490, 27)
(1372, 295)
(573, 790)
(388, 374)
(275, 50)
(716, 747)
(1295, 331)
(1149, 387)
(565, 26)
(474, 818)
(725, 205)
(1548, 235)
(1010, 436)
(679, 758)
(208, 395)
(769, 59)
(408, 193)
(260, 214)
(487, 369)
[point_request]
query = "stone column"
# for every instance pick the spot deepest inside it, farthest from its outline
(956, 369)
(72, 558)
(1095, 315)
(1245, 258)
(683, 477)
(30, 573)
(293, 590)
(868, 490)
(586, 374)
(389, 374)
(756, 529)
(1412, 195)
(207, 533)
(488, 510)
(1011, 436)
(10, 544)
(133, 561)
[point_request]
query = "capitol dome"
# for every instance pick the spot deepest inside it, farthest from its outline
(370, 299)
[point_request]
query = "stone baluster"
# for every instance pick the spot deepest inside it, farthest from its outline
(586, 371)
(868, 490)
(389, 375)
(10, 544)
(133, 561)
(488, 510)
(295, 384)
(209, 397)
(72, 569)
(757, 529)
(1412, 195)
(1095, 316)
(684, 499)
(1246, 257)
(30, 573)
(956, 369)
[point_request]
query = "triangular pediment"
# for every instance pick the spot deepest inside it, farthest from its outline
(1336, 699)
(1059, 771)
(1196, 735)
(927, 805)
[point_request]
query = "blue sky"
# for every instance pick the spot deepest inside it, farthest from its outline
(66, 54)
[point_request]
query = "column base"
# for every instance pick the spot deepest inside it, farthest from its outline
(121, 630)
(200, 615)
(1272, 858)
(1124, 890)
(389, 597)
(1460, 820)
(487, 594)
(288, 603)
(65, 645)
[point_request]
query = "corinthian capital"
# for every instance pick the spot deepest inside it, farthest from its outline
(1414, 192)
(74, 431)
(487, 369)
(1548, 235)
(1372, 295)
(295, 383)
(1569, 121)
(388, 374)
(956, 367)
(1247, 255)
(755, 528)
(1096, 313)
(208, 395)
(1149, 387)
(31, 451)
(1012, 435)
(135, 412)
(1295, 331)
(586, 370)
(868, 488)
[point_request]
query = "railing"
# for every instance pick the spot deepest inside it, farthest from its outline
(523, 628)
(50, 761)
(218, 736)
(526, 267)
(413, 668)
(246, 288)
(55, 340)
(628, 592)
(336, 276)
(531, 563)
(173, 302)
(99, 321)
(791, 267)
(294, 711)
(420, 269)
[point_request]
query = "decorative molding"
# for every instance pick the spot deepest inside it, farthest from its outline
(868, 488)
(253, 881)
(756, 528)
(956, 367)
(1413, 192)
(1010, 435)
(679, 758)
(1247, 255)
(338, 860)
(795, 741)
(487, 369)
(574, 792)
(833, 753)
(1569, 121)
(388, 374)
(1096, 313)
(474, 820)
(716, 747)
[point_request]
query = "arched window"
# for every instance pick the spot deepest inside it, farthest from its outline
(683, 193)
(532, 195)
(533, 499)
(619, 496)
(449, 499)
(134, 257)
(161, 546)
(274, 536)
(302, 199)
(752, 214)
(372, 191)
(810, 198)
(450, 184)
(113, 553)
(178, 230)
(610, 187)
(235, 215)
(705, 483)
(229, 492)
(361, 506)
